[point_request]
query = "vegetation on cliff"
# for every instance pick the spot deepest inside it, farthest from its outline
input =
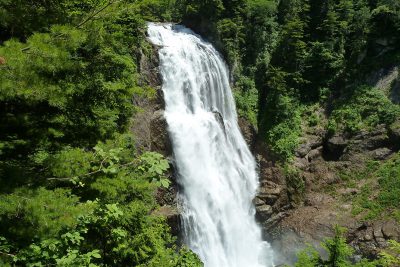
(75, 191)
(301, 66)
(291, 54)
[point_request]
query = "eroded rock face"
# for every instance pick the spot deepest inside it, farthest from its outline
(369, 238)
(142, 120)
(319, 160)
(249, 132)
(160, 141)
(150, 131)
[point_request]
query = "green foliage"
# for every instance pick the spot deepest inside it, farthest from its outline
(390, 256)
(20, 18)
(158, 10)
(27, 214)
(364, 108)
(308, 257)
(379, 194)
(246, 97)
(339, 251)
(200, 9)
(298, 53)
(339, 254)
(389, 183)
(75, 100)
(123, 236)
(113, 227)
(154, 166)
(281, 119)
(73, 189)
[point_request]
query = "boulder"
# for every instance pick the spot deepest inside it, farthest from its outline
(263, 212)
(315, 153)
(172, 214)
(269, 192)
(258, 202)
(375, 139)
(381, 153)
(310, 142)
(391, 230)
(274, 220)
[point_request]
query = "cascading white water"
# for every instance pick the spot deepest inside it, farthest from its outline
(216, 169)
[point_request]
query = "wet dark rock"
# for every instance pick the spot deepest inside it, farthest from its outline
(395, 92)
(219, 119)
(334, 147)
(269, 192)
(258, 202)
(263, 212)
(394, 134)
(274, 220)
(375, 139)
(311, 143)
(248, 131)
(172, 214)
(160, 141)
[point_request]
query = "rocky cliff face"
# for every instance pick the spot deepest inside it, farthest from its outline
(299, 203)
(302, 202)
(150, 131)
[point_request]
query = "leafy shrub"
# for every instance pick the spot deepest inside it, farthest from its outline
(246, 96)
(364, 108)
(339, 254)
(387, 200)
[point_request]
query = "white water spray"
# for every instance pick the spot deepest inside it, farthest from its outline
(215, 167)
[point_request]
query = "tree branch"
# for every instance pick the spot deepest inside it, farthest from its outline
(88, 174)
(82, 22)
(7, 254)
(96, 13)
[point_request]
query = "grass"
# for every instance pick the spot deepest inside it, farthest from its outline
(379, 191)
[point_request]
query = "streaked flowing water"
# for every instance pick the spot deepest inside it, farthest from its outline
(215, 167)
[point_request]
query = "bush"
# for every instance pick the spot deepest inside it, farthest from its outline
(364, 108)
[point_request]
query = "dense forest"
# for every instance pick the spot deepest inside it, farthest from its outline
(76, 189)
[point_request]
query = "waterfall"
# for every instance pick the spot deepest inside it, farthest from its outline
(215, 167)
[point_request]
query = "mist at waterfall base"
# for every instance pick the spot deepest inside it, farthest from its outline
(215, 167)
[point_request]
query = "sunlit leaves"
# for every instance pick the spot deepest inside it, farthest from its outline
(155, 166)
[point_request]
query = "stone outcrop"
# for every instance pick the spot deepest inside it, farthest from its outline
(160, 141)
(369, 238)
(150, 131)
(319, 159)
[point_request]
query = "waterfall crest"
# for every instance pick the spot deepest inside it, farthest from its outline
(215, 167)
